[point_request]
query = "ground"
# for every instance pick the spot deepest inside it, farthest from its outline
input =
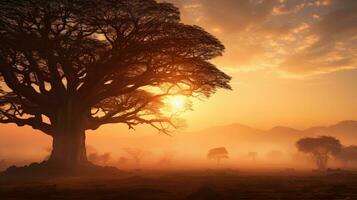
(189, 185)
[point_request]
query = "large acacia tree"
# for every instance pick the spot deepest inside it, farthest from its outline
(320, 148)
(67, 66)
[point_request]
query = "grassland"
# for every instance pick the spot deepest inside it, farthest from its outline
(188, 185)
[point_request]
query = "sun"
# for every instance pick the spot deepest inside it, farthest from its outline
(176, 103)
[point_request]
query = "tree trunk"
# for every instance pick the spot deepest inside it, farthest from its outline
(68, 146)
(68, 149)
(321, 161)
(218, 160)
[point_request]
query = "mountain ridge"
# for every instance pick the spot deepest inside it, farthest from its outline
(239, 134)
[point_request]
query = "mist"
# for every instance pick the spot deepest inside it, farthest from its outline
(248, 148)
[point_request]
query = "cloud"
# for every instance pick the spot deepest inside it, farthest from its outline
(302, 37)
(232, 21)
(236, 15)
(335, 47)
(289, 7)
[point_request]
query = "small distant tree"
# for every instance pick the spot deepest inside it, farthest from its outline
(137, 154)
(348, 155)
(321, 148)
(217, 154)
(252, 156)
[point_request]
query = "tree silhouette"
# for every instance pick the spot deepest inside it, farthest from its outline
(137, 154)
(348, 155)
(68, 66)
(320, 148)
(218, 154)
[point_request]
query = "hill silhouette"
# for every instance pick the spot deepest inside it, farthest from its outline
(239, 139)
(279, 137)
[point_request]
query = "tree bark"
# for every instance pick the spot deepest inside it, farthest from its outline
(68, 150)
(68, 146)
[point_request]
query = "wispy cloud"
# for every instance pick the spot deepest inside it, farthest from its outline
(298, 37)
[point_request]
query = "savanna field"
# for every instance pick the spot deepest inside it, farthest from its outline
(190, 185)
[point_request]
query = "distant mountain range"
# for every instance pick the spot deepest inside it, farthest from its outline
(346, 131)
(279, 137)
(24, 144)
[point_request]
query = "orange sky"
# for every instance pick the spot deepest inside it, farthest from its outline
(293, 63)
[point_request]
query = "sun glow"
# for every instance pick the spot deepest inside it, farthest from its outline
(176, 104)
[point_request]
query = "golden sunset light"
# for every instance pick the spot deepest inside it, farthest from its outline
(191, 95)
(177, 103)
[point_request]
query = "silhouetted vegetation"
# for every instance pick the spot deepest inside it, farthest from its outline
(72, 66)
(98, 158)
(136, 154)
(321, 148)
(348, 155)
(217, 154)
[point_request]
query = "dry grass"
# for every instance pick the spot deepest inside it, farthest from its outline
(189, 185)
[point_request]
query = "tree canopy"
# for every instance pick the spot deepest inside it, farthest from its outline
(218, 154)
(320, 148)
(348, 154)
(100, 61)
(323, 144)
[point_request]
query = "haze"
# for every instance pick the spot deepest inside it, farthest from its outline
(293, 64)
